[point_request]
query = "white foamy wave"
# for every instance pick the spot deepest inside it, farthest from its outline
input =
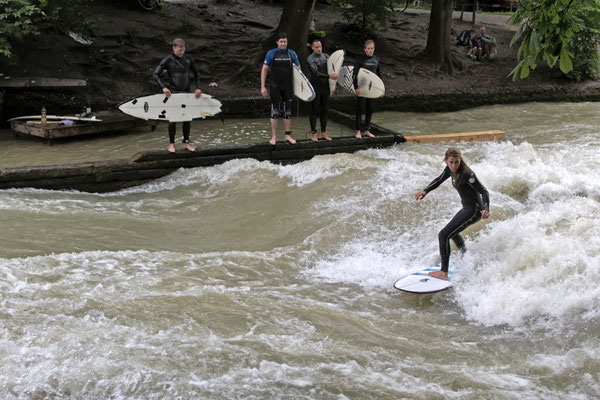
(585, 360)
(215, 175)
(374, 261)
(321, 167)
(540, 174)
(539, 265)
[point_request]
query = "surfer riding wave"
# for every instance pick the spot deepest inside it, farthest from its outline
(474, 198)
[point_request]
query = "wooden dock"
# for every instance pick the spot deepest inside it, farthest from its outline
(109, 176)
(112, 121)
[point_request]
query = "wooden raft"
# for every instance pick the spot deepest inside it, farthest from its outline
(457, 137)
(111, 121)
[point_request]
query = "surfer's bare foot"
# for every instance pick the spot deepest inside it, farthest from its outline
(440, 275)
(358, 135)
(369, 134)
(314, 137)
(188, 147)
(171, 148)
(290, 139)
(273, 141)
(325, 136)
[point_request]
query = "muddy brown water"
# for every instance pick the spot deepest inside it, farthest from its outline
(255, 280)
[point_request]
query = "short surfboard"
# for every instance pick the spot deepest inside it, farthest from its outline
(421, 282)
(180, 107)
(370, 85)
(334, 64)
(302, 87)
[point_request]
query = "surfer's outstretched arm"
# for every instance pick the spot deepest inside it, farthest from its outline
(434, 184)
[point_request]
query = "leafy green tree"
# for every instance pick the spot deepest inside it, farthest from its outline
(585, 43)
(546, 27)
(563, 32)
(17, 20)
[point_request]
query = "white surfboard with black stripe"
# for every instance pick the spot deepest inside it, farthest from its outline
(369, 84)
(334, 65)
(422, 282)
(179, 107)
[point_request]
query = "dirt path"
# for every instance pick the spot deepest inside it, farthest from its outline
(467, 16)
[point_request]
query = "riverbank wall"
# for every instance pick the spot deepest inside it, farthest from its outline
(27, 102)
(256, 107)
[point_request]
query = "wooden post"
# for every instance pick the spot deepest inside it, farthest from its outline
(475, 10)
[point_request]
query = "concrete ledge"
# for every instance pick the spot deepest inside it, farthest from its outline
(142, 167)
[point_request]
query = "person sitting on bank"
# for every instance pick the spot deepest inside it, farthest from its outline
(483, 45)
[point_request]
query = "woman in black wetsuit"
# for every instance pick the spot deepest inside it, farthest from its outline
(474, 198)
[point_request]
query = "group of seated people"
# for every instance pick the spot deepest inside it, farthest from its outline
(482, 45)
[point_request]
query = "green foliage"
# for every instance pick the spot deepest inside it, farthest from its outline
(585, 43)
(17, 20)
(22, 18)
(369, 15)
(556, 31)
(72, 14)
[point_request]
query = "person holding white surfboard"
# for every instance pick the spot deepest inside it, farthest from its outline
(475, 201)
(319, 78)
(279, 62)
(178, 66)
(368, 61)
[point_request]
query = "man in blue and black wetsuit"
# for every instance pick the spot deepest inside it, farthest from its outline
(279, 62)
(319, 79)
(369, 61)
(178, 67)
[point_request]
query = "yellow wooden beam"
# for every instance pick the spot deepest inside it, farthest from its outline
(457, 137)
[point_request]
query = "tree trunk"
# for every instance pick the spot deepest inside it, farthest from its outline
(295, 21)
(438, 47)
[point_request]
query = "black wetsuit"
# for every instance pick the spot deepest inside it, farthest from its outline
(474, 198)
(178, 69)
(372, 64)
(319, 79)
(281, 63)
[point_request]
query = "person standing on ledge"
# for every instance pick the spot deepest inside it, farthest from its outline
(279, 61)
(178, 66)
(368, 61)
(475, 201)
(319, 79)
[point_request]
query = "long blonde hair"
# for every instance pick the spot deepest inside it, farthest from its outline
(454, 152)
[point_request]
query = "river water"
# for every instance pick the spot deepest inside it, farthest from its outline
(251, 280)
